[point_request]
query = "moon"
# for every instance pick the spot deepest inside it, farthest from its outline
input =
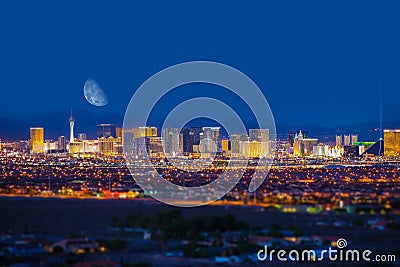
(94, 94)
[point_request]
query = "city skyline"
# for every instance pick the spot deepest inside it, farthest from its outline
(55, 124)
(206, 141)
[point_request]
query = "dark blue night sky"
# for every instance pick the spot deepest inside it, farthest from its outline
(321, 63)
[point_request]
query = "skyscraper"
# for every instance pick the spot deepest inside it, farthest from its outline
(235, 143)
(225, 144)
(339, 140)
(36, 141)
(392, 143)
(172, 141)
(119, 132)
(191, 137)
(347, 139)
(82, 136)
(354, 138)
(62, 144)
(106, 130)
(212, 136)
(296, 146)
(261, 136)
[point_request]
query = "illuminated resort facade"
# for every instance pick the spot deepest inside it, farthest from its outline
(392, 143)
(36, 141)
(303, 146)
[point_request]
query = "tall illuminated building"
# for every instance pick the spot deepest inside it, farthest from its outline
(339, 140)
(354, 138)
(212, 134)
(36, 141)
(191, 138)
(118, 131)
(71, 128)
(347, 139)
(391, 143)
(296, 147)
(82, 136)
(225, 144)
(172, 141)
(259, 135)
(262, 136)
(106, 130)
(235, 143)
(62, 144)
